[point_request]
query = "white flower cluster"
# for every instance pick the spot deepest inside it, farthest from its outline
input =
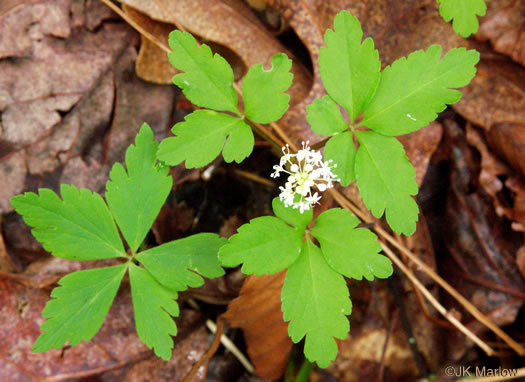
(309, 170)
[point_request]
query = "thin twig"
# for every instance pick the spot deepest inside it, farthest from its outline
(391, 327)
(393, 282)
(440, 308)
(228, 344)
(211, 351)
(254, 177)
(344, 202)
(136, 26)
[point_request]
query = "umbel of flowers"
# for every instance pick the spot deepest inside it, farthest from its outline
(306, 171)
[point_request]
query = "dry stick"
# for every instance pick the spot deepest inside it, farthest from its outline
(136, 26)
(350, 206)
(393, 323)
(429, 271)
(211, 351)
(254, 178)
(430, 297)
(228, 344)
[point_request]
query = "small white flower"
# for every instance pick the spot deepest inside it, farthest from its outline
(306, 171)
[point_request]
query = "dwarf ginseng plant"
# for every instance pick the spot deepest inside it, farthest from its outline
(317, 254)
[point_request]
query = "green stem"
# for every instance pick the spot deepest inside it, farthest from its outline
(304, 371)
(290, 368)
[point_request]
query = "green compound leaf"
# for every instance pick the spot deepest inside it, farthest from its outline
(136, 197)
(353, 252)
(176, 264)
(315, 300)
(325, 117)
(464, 13)
(78, 228)
(291, 215)
(153, 305)
(200, 139)
(262, 90)
(349, 69)
(385, 178)
(78, 307)
(207, 80)
(266, 245)
(341, 150)
(413, 90)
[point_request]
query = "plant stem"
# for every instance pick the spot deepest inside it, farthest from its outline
(304, 371)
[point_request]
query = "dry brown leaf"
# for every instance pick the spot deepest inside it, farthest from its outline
(517, 186)
(360, 353)
(495, 95)
(257, 311)
(504, 26)
(520, 260)
(12, 178)
(493, 170)
(115, 352)
(482, 247)
(152, 63)
(508, 140)
(6, 262)
(55, 73)
(136, 102)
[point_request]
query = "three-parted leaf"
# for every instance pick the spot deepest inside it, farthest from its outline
(341, 150)
(349, 69)
(266, 245)
(79, 227)
(414, 89)
(154, 306)
(176, 264)
(325, 117)
(135, 197)
(263, 90)
(292, 216)
(207, 80)
(386, 180)
(78, 307)
(464, 13)
(315, 300)
(353, 252)
(201, 137)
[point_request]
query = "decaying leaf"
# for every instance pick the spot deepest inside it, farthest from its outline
(482, 246)
(495, 95)
(504, 27)
(257, 311)
(115, 352)
(152, 63)
(508, 140)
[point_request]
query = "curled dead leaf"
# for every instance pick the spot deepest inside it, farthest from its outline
(257, 311)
